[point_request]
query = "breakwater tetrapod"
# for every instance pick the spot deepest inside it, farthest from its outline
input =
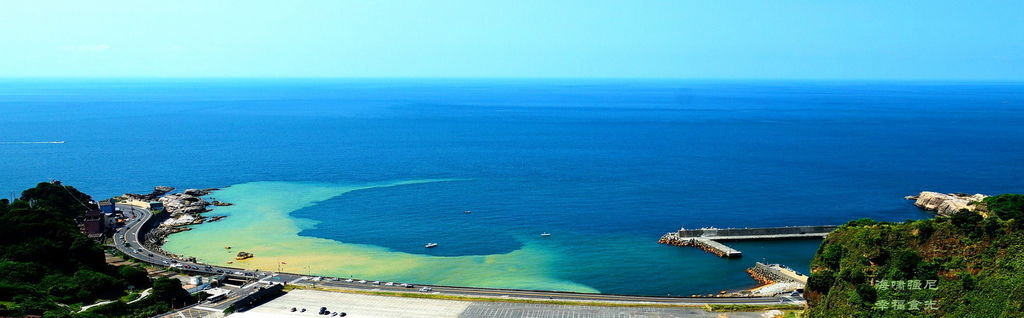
(707, 238)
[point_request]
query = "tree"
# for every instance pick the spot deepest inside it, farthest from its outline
(1006, 206)
(968, 222)
(58, 197)
(821, 281)
(45, 259)
(134, 275)
(169, 290)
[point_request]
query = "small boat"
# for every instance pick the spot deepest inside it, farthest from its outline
(545, 234)
(429, 245)
(467, 212)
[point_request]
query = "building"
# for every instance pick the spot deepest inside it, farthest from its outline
(93, 224)
(217, 294)
(107, 206)
(149, 205)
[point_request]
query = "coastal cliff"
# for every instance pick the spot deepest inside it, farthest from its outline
(945, 204)
(967, 264)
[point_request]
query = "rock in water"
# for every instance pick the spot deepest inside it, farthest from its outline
(196, 192)
(946, 203)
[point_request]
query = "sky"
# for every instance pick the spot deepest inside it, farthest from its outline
(719, 39)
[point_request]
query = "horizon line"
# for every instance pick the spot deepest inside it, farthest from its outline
(694, 79)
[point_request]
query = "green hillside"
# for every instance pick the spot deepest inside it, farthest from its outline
(47, 267)
(967, 265)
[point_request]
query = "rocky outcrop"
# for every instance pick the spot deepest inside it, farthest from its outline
(946, 203)
(198, 192)
(183, 219)
(157, 192)
(183, 203)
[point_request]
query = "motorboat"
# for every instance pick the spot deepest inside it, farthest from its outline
(545, 234)
(429, 245)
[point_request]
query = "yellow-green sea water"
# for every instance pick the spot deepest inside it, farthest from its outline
(259, 223)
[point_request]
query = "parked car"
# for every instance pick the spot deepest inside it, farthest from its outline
(426, 289)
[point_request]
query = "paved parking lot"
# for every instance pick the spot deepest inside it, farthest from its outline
(355, 305)
(358, 306)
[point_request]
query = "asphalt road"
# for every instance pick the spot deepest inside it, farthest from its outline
(127, 240)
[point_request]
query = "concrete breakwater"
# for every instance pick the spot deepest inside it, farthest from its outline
(705, 244)
(776, 279)
(706, 238)
(775, 273)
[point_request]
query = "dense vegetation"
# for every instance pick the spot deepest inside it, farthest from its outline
(47, 267)
(964, 265)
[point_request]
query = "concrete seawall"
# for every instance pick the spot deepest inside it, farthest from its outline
(759, 233)
(707, 238)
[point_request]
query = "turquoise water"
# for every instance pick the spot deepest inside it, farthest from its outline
(353, 177)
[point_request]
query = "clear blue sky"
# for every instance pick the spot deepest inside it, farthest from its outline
(778, 39)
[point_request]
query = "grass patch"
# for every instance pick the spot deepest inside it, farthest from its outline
(131, 296)
(734, 307)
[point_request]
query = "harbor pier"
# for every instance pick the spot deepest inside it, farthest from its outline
(775, 273)
(707, 238)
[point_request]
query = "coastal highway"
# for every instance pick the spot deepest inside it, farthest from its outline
(128, 241)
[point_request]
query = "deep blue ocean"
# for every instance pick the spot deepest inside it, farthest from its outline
(622, 161)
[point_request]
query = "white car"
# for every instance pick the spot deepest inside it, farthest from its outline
(362, 282)
(375, 282)
(349, 280)
(426, 289)
(389, 284)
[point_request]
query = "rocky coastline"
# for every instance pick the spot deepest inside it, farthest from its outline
(945, 204)
(182, 209)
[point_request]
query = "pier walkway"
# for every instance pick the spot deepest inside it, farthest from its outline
(707, 238)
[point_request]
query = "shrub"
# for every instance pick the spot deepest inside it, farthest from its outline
(1006, 206)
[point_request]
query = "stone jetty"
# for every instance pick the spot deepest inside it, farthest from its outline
(705, 244)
